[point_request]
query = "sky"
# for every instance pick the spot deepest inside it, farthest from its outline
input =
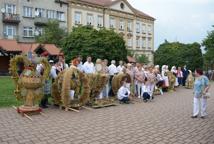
(186, 21)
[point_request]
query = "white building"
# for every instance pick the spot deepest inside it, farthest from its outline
(136, 27)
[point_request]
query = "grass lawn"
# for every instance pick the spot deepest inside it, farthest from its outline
(6, 92)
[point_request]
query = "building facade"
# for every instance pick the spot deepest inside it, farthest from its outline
(24, 19)
(136, 27)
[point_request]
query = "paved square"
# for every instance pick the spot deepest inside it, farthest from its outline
(166, 120)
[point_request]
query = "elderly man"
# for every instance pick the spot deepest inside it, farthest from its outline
(88, 66)
(112, 71)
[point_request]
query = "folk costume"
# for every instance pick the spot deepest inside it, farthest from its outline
(174, 71)
(164, 76)
(40, 68)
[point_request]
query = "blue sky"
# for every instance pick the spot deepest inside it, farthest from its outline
(185, 21)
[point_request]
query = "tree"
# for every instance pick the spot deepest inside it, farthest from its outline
(103, 44)
(143, 59)
(53, 34)
(208, 43)
(179, 54)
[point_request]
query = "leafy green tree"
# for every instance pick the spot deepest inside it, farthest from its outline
(53, 34)
(208, 43)
(143, 59)
(85, 41)
(179, 54)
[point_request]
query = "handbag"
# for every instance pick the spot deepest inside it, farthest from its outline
(206, 95)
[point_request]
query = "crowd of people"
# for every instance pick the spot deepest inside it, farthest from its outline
(145, 79)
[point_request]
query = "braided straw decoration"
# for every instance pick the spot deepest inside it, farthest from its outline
(14, 75)
(117, 79)
(72, 80)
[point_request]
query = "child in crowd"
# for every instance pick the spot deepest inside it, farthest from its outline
(123, 94)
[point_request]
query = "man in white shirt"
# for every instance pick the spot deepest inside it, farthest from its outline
(123, 93)
(88, 66)
(112, 69)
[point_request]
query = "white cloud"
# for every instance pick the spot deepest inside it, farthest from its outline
(211, 17)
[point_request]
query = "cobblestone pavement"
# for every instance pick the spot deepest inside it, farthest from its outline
(166, 120)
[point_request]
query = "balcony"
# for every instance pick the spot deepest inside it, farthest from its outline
(11, 18)
(40, 21)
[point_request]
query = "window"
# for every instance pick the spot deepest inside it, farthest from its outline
(129, 27)
(9, 31)
(149, 43)
(143, 28)
(112, 22)
(28, 32)
(60, 16)
(122, 6)
(137, 27)
(39, 12)
(143, 42)
(90, 19)
(99, 21)
(130, 42)
(38, 31)
(10, 8)
(28, 11)
(138, 42)
(121, 25)
(149, 29)
(51, 14)
(78, 18)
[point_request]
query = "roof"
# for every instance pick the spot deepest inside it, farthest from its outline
(107, 3)
(142, 14)
(10, 45)
(99, 2)
(14, 46)
(50, 48)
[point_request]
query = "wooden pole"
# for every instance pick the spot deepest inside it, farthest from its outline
(28, 117)
(73, 109)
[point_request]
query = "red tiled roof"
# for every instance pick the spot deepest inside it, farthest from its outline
(13, 46)
(10, 45)
(50, 48)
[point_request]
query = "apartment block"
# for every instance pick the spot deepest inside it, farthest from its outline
(24, 19)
